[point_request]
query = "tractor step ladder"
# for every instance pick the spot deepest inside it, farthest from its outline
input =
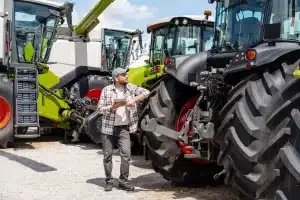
(26, 102)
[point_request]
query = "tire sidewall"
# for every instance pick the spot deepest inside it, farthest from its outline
(7, 133)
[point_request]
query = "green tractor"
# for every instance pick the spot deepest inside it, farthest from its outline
(31, 95)
(171, 36)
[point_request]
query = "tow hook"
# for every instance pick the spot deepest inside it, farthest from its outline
(217, 176)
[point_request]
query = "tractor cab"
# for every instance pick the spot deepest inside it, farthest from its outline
(120, 47)
(238, 24)
(35, 24)
(171, 36)
(181, 35)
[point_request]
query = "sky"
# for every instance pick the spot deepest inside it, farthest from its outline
(134, 14)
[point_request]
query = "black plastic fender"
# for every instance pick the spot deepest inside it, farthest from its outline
(265, 55)
(185, 68)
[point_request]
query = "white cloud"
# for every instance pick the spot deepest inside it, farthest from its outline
(121, 10)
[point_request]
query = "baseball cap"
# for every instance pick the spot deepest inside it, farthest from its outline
(118, 71)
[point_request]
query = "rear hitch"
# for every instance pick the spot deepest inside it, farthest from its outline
(151, 125)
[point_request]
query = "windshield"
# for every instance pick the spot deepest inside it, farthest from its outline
(184, 40)
(287, 13)
(116, 45)
(181, 40)
(238, 23)
(35, 30)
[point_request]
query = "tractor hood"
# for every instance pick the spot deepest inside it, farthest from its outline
(186, 67)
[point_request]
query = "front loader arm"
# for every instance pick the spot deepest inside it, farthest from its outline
(90, 21)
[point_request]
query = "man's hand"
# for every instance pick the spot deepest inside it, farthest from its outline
(116, 105)
(131, 103)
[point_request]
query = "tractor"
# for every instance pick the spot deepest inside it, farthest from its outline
(166, 121)
(230, 114)
(31, 95)
(175, 35)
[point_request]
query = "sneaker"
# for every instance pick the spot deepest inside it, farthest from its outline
(108, 187)
(125, 186)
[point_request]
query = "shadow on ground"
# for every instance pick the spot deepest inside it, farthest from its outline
(32, 164)
(153, 182)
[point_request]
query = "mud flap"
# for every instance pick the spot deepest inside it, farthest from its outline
(93, 127)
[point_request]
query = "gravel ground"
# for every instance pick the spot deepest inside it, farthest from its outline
(52, 170)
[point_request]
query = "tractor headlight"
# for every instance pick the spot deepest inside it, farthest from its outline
(176, 22)
(185, 21)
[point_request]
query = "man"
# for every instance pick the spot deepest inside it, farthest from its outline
(118, 121)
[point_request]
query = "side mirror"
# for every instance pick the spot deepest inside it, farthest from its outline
(69, 9)
(272, 31)
(140, 37)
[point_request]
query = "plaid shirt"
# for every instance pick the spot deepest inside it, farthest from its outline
(107, 96)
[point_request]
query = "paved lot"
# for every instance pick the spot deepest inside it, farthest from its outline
(54, 171)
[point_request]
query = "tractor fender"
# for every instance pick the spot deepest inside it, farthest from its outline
(240, 67)
(185, 68)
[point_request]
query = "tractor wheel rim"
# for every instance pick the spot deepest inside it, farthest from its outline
(4, 112)
(184, 112)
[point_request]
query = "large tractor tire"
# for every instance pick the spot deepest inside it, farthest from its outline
(166, 106)
(248, 139)
(6, 111)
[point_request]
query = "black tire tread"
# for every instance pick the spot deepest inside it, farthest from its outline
(282, 151)
(241, 135)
